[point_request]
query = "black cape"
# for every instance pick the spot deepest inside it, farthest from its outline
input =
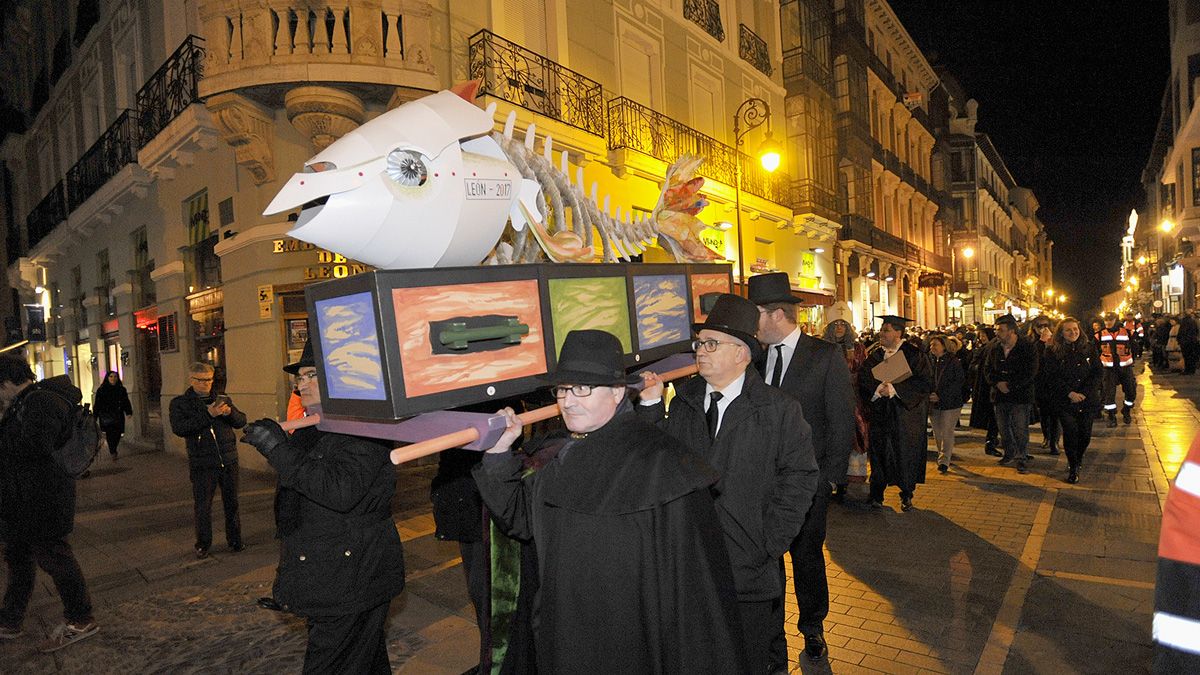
(634, 575)
(898, 442)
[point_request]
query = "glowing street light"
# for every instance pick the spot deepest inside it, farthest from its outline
(1141, 260)
(1166, 225)
(968, 252)
(752, 113)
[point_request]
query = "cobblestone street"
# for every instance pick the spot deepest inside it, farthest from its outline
(992, 572)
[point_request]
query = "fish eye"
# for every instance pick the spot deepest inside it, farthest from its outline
(407, 167)
(317, 167)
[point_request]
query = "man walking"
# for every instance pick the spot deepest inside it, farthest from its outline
(206, 421)
(1116, 357)
(897, 410)
(1009, 371)
(814, 372)
(756, 438)
(37, 501)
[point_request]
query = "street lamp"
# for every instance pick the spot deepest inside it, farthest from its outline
(752, 113)
(1166, 225)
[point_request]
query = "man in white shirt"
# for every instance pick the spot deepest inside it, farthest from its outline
(756, 438)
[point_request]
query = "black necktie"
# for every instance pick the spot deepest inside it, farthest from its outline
(714, 414)
(777, 371)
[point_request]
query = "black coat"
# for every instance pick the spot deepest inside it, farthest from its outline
(111, 405)
(1018, 368)
(211, 443)
(983, 416)
(764, 454)
(340, 551)
(1073, 369)
(37, 498)
(948, 377)
(898, 443)
(634, 577)
(817, 377)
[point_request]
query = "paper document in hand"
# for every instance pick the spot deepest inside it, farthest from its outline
(893, 369)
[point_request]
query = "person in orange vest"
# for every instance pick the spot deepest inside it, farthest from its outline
(1176, 627)
(1137, 334)
(1116, 357)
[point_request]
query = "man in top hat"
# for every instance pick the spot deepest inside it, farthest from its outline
(633, 572)
(340, 559)
(755, 436)
(814, 372)
(897, 414)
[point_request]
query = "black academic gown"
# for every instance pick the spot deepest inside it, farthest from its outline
(634, 575)
(898, 442)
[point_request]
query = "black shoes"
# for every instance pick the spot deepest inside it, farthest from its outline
(839, 494)
(1112, 422)
(1053, 450)
(1126, 417)
(269, 603)
(238, 547)
(1073, 475)
(1021, 468)
(943, 468)
(201, 553)
(876, 504)
(1005, 461)
(814, 647)
(906, 504)
(989, 448)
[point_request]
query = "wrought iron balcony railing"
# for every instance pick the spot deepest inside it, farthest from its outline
(633, 126)
(799, 62)
(753, 50)
(707, 15)
(808, 196)
(171, 89)
(115, 149)
(862, 230)
(528, 79)
(44, 217)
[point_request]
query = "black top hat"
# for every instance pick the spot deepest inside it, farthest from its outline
(591, 357)
(735, 316)
(897, 322)
(306, 360)
(769, 288)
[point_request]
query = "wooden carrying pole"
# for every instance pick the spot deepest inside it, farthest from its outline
(466, 436)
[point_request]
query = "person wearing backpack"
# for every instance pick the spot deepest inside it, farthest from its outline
(206, 421)
(112, 407)
(37, 501)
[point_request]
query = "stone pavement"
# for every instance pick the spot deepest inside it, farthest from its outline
(993, 572)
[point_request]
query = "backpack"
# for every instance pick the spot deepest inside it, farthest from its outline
(82, 443)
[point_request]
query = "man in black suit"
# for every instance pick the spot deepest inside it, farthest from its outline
(814, 372)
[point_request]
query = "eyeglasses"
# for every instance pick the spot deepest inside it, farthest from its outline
(580, 390)
(302, 378)
(710, 345)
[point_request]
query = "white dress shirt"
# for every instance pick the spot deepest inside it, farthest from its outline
(789, 349)
(728, 394)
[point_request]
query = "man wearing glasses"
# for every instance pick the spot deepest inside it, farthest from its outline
(206, 422)
(757, 439)
(340, 560)
(633, 575)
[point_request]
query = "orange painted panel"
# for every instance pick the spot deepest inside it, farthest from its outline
(703, 284)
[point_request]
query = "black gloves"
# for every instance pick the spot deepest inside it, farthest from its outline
(265, 435)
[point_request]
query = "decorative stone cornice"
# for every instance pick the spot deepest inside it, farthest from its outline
(248, 128)
(323, 114)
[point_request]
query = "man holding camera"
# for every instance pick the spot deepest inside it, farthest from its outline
(206, 421)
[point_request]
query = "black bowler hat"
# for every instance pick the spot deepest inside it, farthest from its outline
(591, 357)
(773, 287)
(734, 316)
(897, 322)
(306, 360)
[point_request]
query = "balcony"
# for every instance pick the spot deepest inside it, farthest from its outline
(49, 212)
(806, 196)
(372, 42)
(799, 63)
(855, 228)
(527, 79)
(753, 50)
(707, 15)
(633, 126)
(170, 90)
(116, 149)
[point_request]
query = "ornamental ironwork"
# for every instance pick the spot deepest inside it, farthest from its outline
(171, 89)
(707, 15)
(116, 148)
(534, 82)
(44, 217)
(633, 126)
(753, 50)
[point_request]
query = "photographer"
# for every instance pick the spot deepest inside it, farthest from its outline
(207, 422)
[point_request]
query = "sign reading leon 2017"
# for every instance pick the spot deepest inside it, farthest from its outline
(427, 192)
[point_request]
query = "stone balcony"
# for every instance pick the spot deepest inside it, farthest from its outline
(253, 44)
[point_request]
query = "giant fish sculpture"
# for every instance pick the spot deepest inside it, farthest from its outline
(430, 184)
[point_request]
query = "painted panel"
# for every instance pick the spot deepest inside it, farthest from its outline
(432, 367)
(590, 302)
(350, 346)
(703, 284)
(661, 305)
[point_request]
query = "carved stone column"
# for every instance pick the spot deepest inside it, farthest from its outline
(323, 114)
(248, 127)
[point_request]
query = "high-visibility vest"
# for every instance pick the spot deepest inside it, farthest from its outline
(1176, 621)
(1114, 348)
(1135, 328)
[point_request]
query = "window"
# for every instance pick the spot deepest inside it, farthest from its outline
(195, 217)
(1195, 176)
(144, 291)
(640, 67)
(105, 284)
(1192, 11)
(77, 298)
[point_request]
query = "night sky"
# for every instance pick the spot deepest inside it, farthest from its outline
(1070, 93)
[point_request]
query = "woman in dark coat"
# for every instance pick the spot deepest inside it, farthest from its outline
(1074, 375)
(1043, 387)
(112, 407)
(982, 414)
(946, 399)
